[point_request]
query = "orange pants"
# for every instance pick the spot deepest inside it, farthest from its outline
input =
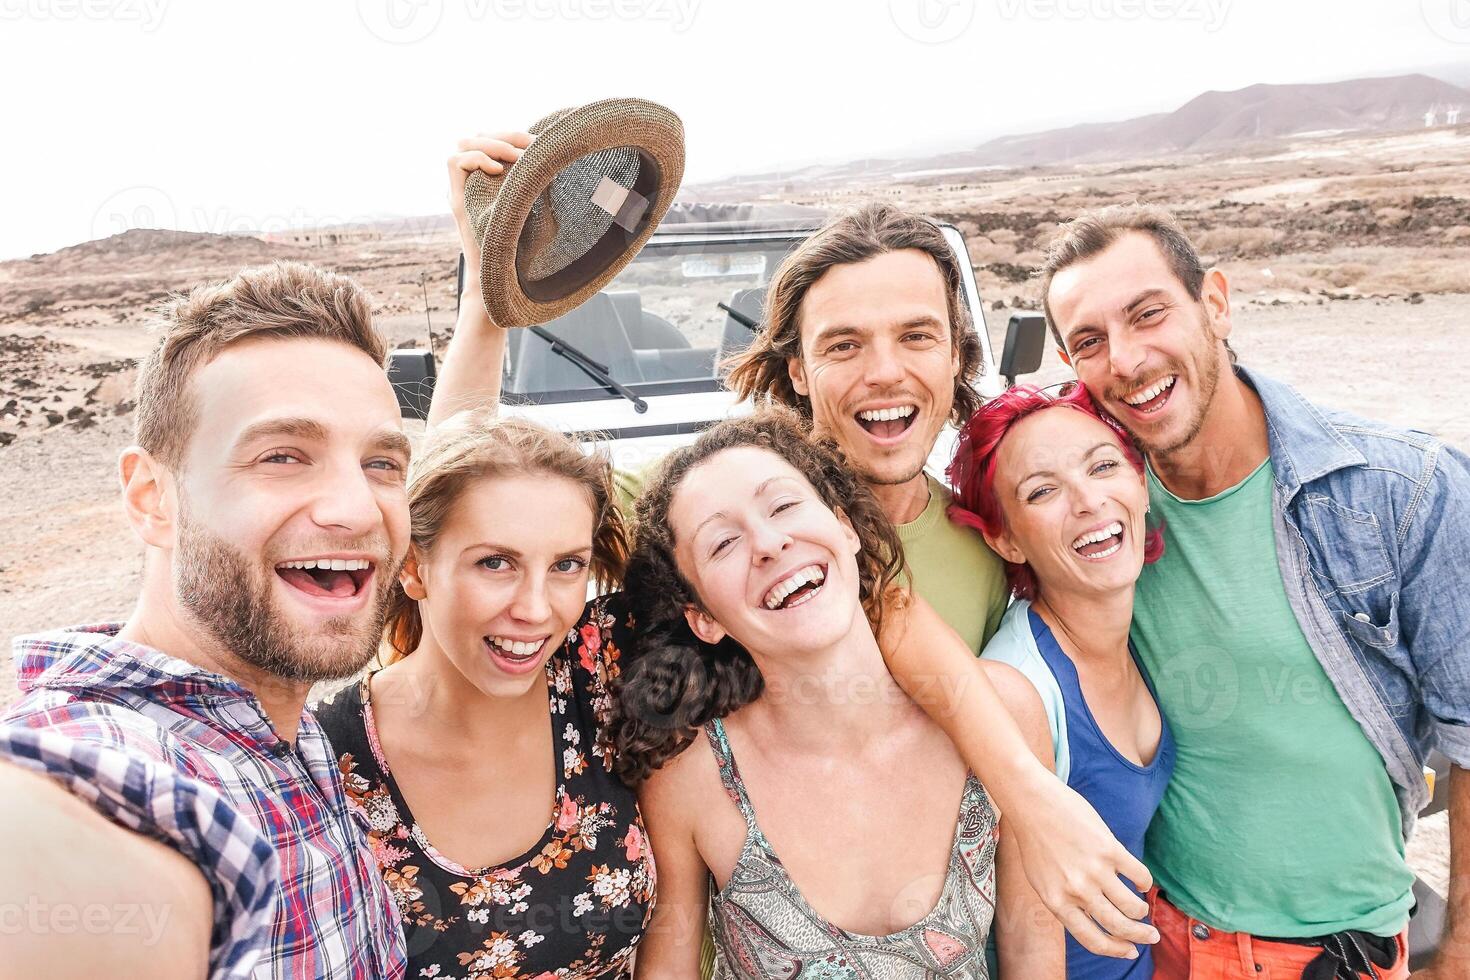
(1189, 949)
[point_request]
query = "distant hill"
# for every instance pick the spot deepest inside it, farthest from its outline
(1211, 122)
(1218, 120)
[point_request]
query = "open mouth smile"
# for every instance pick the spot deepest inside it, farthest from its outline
(515, 656)
(797, 588)
(331, 579)
(1100, 543)
(887, 424)
(1147, 401)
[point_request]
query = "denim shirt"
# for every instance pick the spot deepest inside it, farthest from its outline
(1373, 541)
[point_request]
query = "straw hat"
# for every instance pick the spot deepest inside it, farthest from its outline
(566, 217)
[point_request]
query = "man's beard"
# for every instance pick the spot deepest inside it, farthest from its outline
(874, 479)
(231, 599)
(1205, 382)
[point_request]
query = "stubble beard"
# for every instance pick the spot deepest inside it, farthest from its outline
(231, 600)
(1206, 381)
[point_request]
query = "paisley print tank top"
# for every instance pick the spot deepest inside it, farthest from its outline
(764, 928)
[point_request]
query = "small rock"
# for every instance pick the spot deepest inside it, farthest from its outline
(55, 418)
(6, 438)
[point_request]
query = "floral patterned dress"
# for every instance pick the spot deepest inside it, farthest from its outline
(575, 904)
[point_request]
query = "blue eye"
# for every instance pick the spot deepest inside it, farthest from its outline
(494, 563)
(569, 565)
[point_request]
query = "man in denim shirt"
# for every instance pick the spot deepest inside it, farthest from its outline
(1306, 628)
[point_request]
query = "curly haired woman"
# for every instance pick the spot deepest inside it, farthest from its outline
(762, 721)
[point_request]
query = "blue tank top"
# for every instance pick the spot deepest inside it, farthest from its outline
(1124, 795)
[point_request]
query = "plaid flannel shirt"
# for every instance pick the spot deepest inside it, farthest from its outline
(189, 757)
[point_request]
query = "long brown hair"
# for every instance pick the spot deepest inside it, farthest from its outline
(761, 371)
(674, 682)
(479, 445)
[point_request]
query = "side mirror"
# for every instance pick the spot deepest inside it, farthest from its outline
(411, 373)
(1025, 345)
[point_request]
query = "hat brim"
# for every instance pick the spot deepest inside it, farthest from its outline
(656, 134)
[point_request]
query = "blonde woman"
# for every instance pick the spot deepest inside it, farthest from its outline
(480, 757)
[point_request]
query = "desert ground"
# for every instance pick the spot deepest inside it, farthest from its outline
(1350, 259)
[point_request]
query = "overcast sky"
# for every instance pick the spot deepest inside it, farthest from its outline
(213, 116)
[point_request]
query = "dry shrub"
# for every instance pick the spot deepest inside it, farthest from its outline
(1233, 242)
(983, 251)
(1392, 216)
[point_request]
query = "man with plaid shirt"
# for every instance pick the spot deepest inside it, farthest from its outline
(267, 485)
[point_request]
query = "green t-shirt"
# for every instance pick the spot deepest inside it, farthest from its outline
(1280, 819)
(954, 570)
(950, 566)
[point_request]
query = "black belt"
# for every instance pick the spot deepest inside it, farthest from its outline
(1346, 955)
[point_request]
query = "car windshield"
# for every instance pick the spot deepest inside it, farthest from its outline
(661, 327)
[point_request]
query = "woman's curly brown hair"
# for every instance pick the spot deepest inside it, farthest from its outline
(673, 683)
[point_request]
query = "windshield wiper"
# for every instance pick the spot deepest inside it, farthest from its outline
(752, 325)
(595, 370)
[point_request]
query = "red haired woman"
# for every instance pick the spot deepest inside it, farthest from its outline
(1058, 491)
